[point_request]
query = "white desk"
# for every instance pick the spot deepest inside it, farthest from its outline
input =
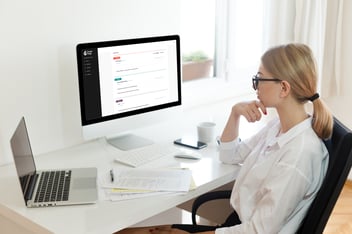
(107, 216)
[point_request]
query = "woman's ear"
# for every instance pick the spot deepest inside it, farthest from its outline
(285, 88)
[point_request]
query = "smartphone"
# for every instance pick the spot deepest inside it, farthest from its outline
(190, 142)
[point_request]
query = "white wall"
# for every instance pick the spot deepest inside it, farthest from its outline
(38, 76)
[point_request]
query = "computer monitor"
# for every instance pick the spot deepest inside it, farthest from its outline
(126, 84)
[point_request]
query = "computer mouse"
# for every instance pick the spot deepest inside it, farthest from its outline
(188, 154)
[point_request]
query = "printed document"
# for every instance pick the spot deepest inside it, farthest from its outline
(169, 180)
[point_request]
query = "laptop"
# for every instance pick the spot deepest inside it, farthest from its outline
(50, 187)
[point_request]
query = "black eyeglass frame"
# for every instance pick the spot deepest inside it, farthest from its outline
(256, 79)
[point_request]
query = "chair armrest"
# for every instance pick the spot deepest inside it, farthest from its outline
(215, 195)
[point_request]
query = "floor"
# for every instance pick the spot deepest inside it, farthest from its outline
(340, 221)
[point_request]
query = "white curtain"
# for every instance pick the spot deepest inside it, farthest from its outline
(309, 25)
(332, 52)
(279, 16)
(317, 23)
(309, 28)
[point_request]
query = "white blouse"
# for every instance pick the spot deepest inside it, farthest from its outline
(279, 178)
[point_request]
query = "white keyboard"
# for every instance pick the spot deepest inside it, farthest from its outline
(141, 156)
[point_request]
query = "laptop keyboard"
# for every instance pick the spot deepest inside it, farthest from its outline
(53, 186)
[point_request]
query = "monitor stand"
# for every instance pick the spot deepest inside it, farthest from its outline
(129, 142)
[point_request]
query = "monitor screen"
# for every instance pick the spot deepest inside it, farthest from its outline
(124, 78)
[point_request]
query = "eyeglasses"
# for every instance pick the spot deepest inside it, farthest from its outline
(256, 79)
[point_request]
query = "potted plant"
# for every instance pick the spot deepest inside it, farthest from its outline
(196, 65)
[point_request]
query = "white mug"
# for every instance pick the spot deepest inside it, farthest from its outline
(206, 131)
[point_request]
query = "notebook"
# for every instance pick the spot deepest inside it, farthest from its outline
(50, 187)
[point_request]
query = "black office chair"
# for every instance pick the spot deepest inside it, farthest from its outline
(340, 162)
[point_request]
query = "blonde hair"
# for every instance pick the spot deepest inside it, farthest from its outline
(295, 64)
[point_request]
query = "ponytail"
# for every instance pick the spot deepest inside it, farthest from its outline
(322, 119)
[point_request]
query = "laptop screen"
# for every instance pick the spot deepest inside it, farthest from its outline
(22, 153)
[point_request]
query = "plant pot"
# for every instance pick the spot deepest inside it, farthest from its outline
(196, 70)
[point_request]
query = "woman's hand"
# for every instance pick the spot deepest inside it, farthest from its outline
(250, 110)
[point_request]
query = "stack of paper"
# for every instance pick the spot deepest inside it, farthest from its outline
(122, 184)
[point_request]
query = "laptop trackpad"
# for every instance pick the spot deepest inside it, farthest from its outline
(84, 183)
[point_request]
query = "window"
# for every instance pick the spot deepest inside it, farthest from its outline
(232, 32)
(233, 27)
(245, 38)
(197, 38)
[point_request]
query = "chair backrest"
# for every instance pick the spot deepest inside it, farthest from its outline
(340, 161)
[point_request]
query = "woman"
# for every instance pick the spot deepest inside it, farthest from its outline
(284, 164)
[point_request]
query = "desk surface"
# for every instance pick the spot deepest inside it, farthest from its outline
(106, 216)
